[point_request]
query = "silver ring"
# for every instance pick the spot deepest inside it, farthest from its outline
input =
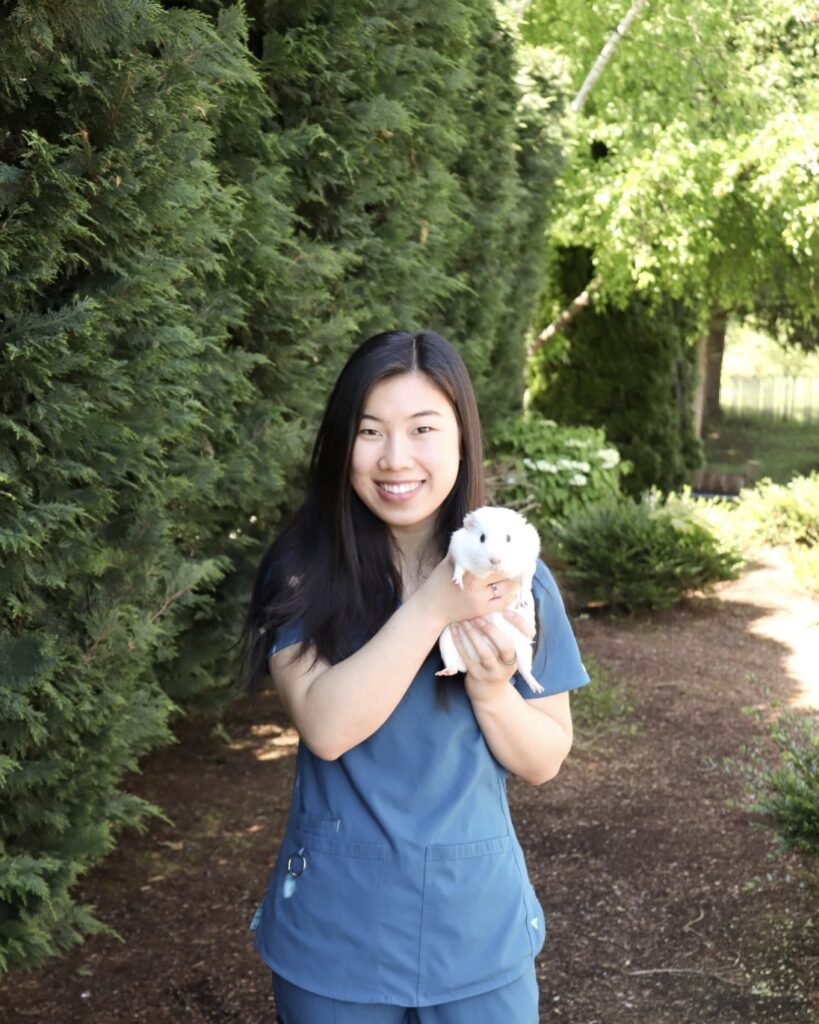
(512, 662)
(300, 868)
(494, 588)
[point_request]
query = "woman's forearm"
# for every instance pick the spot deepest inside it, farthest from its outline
(528, 741)
(336, 707)
(349, 701)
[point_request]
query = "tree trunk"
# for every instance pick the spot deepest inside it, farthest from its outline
(709, 365)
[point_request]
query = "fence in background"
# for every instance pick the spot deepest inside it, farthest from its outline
(786, 398)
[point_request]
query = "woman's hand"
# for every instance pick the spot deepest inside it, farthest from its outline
(476, 598)
(488, 653)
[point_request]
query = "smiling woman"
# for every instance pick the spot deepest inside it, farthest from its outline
(400, 891)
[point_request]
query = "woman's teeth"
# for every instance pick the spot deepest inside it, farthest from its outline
(399, 488)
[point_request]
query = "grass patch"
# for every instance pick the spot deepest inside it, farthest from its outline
(602, 705)
(782, 448)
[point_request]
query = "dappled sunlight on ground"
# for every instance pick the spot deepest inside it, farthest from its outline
(792, 619)
(269, 742)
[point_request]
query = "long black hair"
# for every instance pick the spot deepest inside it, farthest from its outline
(331, 571)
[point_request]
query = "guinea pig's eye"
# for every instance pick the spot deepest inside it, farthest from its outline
(483, 537)
(508, 539)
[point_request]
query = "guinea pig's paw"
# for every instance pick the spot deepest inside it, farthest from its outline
(447, 672)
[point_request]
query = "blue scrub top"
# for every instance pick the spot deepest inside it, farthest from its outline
(407, 884)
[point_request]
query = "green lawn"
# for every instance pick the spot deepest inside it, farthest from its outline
(782, 448)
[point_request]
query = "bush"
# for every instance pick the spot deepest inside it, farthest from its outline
(769, 513)
(782, 513)
(787, 794)
(550, 472)
(633, 555)
(805, 563)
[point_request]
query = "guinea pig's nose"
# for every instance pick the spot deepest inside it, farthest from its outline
(495, 560)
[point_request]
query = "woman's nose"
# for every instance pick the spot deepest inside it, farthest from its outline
(396, 454)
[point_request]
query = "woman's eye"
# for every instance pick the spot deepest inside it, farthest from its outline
(368, 431)
(423, 430)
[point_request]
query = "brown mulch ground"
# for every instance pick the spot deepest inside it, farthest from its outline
(664, 906)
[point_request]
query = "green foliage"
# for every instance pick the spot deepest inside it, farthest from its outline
(204, 207)
(782, 513)
(635, 555)
(627, 370)
(767, 514)
(692, 172)
(550, 472)
(690, 186)
(116, 392)
(786, 793)
(805, 567)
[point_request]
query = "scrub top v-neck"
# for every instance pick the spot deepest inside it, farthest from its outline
(400, 879)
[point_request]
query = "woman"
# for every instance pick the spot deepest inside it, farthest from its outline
(400, 892)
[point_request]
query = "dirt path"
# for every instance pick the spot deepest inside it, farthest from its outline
(663, 906)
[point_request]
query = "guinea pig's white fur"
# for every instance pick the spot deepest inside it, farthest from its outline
(496, 540)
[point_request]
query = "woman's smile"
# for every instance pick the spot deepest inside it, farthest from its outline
(400, 491)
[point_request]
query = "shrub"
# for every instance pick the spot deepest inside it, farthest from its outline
(805, 563)
(769, 513)
(782, 513)
(550, 472)
(786, 795)
(642, 554)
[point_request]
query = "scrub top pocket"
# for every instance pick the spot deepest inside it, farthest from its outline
(473, 895)
(326, 898)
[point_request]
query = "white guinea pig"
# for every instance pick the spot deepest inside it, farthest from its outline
(496, 540)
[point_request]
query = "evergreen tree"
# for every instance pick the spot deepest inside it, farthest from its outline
(204, 207)
(114, 389)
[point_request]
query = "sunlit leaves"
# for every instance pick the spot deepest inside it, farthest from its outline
(693, 171)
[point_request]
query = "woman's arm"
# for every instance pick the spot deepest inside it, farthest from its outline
(530, 738)
(335, 707)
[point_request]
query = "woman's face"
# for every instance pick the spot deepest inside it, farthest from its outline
(406, 453)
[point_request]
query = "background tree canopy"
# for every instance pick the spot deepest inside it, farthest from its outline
(690, 185)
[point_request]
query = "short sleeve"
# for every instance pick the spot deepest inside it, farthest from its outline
(556, 663)
(292, 633)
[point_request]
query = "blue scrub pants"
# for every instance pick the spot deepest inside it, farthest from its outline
(515, 1003)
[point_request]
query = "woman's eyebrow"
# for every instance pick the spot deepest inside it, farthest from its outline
(415, 415)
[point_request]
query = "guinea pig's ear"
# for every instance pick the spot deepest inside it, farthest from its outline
(470, 520)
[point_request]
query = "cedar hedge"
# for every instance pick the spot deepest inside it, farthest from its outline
(203, 208)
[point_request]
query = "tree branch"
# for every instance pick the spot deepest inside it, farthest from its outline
(556, 326)
(605, 55)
